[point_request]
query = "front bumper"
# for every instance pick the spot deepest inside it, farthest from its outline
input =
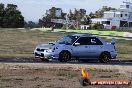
(37, 54)
(47, 55)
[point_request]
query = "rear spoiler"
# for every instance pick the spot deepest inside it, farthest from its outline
(113, 41)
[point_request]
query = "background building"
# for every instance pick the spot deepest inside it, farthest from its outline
(117, 19)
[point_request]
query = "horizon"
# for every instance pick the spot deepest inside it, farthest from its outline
(34, 10)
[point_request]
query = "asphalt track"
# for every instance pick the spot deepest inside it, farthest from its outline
(124, 62)
(123, 66)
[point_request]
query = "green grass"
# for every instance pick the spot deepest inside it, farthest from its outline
(42, 29)
(118, 30)
(21, 42)
(115, 30)
(15, 43)
(111, 33)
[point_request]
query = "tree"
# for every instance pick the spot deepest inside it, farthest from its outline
(92, 15)
(70, 15)
(12, 17)
(41, 23)
(31, 24)
(1, 13)
(51, 14)
(100, 12)
(79, 16)
(85, 20)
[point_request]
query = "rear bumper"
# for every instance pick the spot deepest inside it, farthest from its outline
(113, 55)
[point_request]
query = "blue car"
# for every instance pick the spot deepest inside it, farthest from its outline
(79, 46)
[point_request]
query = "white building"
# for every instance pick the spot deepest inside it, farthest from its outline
(84, 26)
(117, 19)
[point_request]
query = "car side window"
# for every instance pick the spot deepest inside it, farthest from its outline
(83, 41)
(95, 41)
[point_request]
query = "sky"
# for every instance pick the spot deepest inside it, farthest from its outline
(33, 10)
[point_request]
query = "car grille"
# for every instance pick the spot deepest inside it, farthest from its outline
(36, 54)
(42, 55)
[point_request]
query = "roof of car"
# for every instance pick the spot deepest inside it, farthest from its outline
(82, 35)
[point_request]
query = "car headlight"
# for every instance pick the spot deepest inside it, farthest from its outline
(48, 50)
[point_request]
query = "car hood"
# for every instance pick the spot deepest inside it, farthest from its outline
(45, 46)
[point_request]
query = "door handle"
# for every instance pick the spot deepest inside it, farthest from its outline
(101, 46)
(86, 46)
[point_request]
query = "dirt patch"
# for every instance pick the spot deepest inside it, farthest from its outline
(40, 75)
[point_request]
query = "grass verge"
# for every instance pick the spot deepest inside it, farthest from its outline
(21, 42)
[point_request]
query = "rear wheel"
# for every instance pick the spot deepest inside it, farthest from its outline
(104, 57)
(84, 60)
(64, 56)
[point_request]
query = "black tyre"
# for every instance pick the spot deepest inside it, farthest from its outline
(44, 60)
(84, 60)
(64, 56)
(104, 57)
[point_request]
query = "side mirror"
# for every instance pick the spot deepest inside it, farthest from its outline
(77, 44)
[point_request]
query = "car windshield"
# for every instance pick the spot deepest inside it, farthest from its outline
(69, 40)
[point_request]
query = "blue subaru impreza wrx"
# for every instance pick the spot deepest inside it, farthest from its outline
(79, 46)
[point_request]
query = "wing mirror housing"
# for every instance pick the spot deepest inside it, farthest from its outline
(77, 44)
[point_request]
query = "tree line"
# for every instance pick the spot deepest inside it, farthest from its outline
(11, 17)
(79, 15)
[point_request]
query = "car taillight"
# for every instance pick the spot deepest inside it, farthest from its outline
(114, 48)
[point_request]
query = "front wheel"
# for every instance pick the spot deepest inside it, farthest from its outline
(104, 57)
(64, 56)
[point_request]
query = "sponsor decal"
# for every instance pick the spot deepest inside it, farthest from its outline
(85, 81)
